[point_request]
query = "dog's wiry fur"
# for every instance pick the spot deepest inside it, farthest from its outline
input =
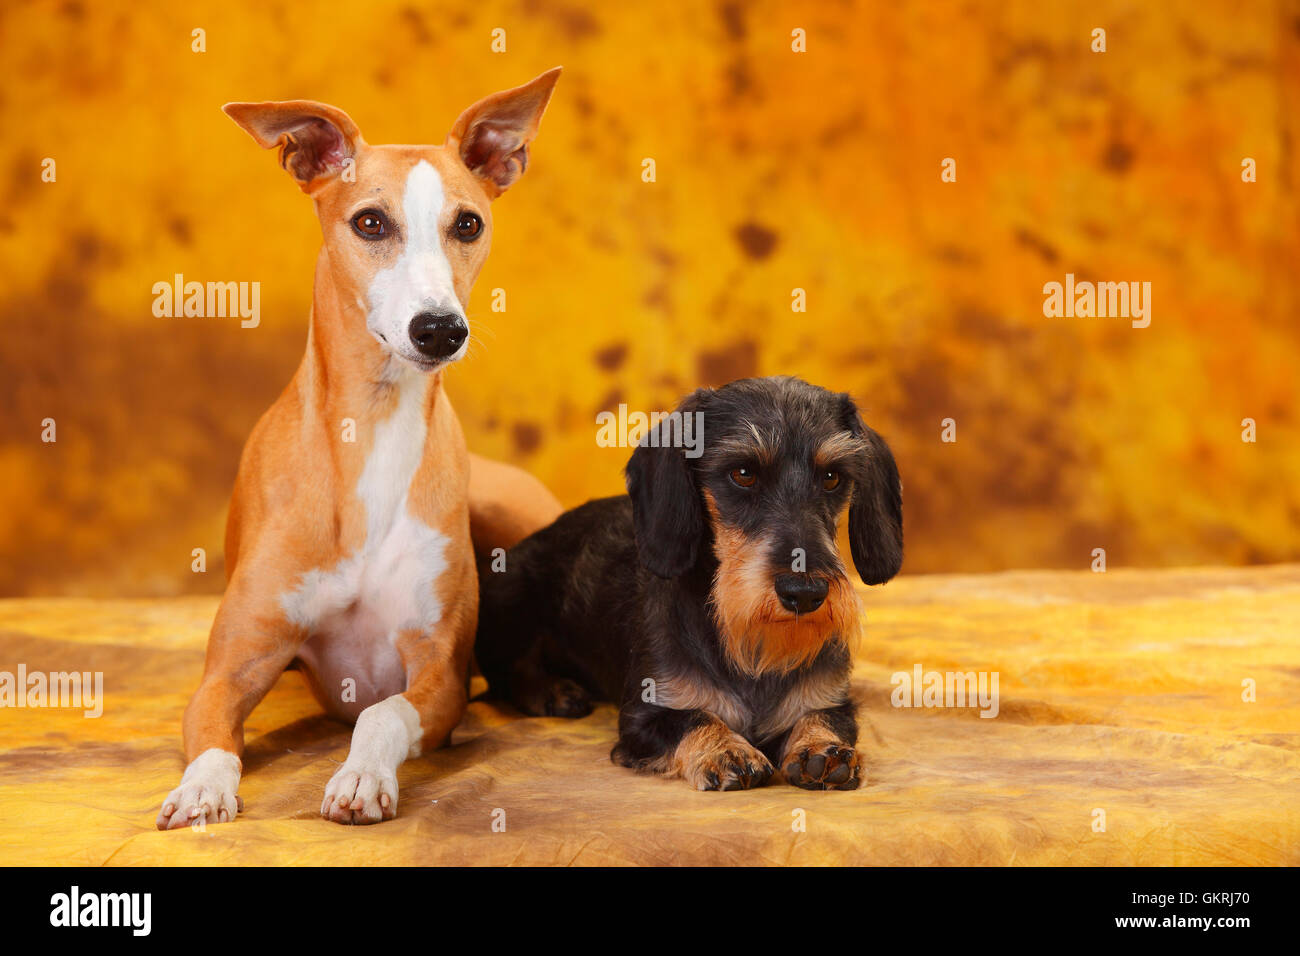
(758, 634)
(666, 600)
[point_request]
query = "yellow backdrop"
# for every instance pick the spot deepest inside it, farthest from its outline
(775, 170)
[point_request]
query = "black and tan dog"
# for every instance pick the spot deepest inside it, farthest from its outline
(711, 602)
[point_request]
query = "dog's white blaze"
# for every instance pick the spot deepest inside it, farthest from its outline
(354, 610)
(421, 280)
(404, 556)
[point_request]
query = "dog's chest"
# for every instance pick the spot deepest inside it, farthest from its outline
(354, 610)
(758, 710)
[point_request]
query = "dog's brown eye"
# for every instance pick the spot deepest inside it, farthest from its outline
(370, 225)
(468, 226)
(830, 480)
(744, 477)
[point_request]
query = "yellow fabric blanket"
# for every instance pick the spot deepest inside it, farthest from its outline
(1121, 705)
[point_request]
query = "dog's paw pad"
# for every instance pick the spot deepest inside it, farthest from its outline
(833, 767)
(565, 698)
(357, 795)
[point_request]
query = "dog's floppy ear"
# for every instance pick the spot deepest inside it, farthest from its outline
(315, 140)
(492, 136)
(667, 512)
(876, 513)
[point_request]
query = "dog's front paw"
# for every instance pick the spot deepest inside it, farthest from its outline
(357, 794)
(207, 793)
(566, 698)
(832, 767)
(715, 758)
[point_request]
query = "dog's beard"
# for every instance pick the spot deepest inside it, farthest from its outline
(759, 636)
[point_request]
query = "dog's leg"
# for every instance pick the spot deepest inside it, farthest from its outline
(364, 789)
(251, 644)
(820, 753)
(506, 505)
(691, 744)
(513, 642)
(540, 693)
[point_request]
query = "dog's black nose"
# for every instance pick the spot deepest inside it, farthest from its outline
(438, 335)
(800, 592)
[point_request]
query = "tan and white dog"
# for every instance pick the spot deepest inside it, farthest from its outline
(352, 560)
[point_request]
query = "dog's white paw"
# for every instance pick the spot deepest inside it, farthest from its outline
(208, 792)
(358, 794)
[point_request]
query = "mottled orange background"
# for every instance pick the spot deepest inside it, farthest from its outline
(775, 170)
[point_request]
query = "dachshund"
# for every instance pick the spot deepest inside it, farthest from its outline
(710, 602)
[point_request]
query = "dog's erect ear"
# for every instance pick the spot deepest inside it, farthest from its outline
(492, 136)
(667, 512)
(876, 513)
(315, 140)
